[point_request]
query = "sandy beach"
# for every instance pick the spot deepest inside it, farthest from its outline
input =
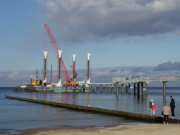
(146, 129)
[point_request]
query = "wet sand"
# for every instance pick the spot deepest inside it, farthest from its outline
(145, 129)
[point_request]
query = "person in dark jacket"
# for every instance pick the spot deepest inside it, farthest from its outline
(172, 105)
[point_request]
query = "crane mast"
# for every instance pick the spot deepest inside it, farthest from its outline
(55, 47)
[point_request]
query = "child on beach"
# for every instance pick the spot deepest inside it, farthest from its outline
(153, 108)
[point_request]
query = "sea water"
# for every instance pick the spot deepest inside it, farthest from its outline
(16, 114)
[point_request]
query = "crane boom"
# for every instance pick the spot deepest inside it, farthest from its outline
(55, 47)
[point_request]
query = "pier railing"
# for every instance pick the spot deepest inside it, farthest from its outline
(147, 79)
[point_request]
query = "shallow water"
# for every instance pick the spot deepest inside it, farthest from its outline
(25, 115)
(16, 114)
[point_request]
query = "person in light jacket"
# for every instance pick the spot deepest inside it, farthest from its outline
(166, 110)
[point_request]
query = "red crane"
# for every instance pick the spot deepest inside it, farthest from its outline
(55, 47)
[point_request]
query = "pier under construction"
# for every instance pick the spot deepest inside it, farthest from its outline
(138, 85)
(71, 84)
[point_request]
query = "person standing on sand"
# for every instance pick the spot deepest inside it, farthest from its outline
(166, 110)
(153, 109)
(150, 106)
(172, 105)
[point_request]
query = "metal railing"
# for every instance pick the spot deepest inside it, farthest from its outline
(147, 79)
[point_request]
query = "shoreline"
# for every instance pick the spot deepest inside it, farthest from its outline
(145, 129)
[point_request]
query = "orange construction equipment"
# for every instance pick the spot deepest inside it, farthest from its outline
(55, 47)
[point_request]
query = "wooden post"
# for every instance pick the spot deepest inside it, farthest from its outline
(106, 88)
(117, 91)
(101, 87)
(138, 88)
(146, 88)
(95, 88)
(83, 88)
(126, 88)
(134, 88)
(122, 88)
(92, 87)
(164, 92)
(129, 88)
(110, 87)
(142, 87)
(114, 87)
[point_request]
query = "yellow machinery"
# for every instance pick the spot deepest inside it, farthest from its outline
(72, 83)
(34, 81)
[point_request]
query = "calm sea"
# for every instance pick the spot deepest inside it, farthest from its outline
(16, 114)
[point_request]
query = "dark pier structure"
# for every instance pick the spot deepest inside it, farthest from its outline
(139, 86)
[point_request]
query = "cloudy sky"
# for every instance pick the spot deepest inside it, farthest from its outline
(136, 34)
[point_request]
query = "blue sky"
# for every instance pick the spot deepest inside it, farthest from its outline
(117, 33)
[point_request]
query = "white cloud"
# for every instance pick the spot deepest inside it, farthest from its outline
(101, 75)
(165, 5)
(13, 75)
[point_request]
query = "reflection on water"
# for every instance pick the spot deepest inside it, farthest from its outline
(45, 96)
(122, 101)
(66, 98)
(74, 98)
(23, 115)
(88, 99)
(58, 97)
(20, 115)
(50, 96)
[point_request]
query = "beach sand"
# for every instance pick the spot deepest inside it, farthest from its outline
(145, 129)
